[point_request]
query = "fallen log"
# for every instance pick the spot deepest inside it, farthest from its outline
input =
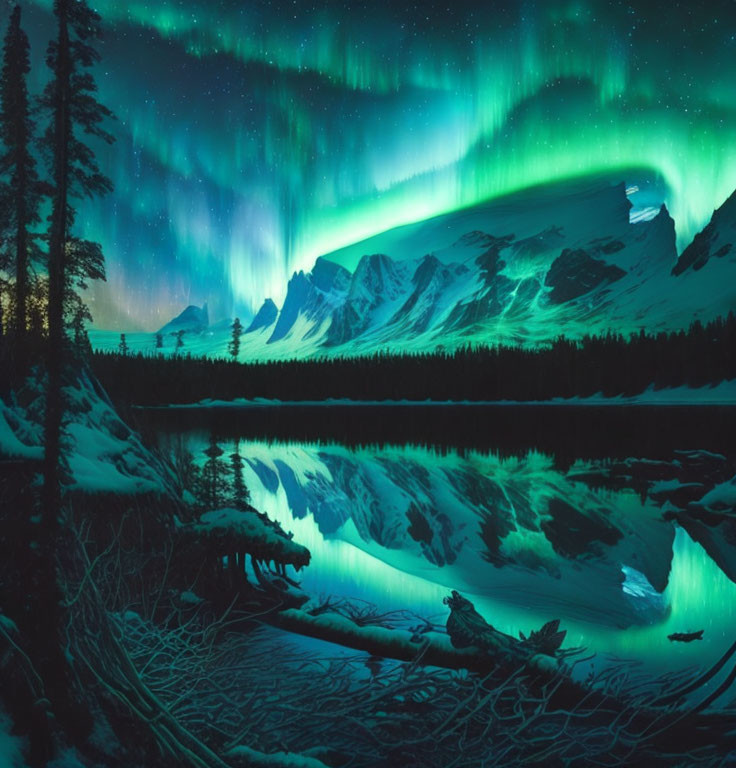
(435, 649)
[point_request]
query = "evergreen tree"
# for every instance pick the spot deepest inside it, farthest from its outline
(70, 100)
(85, 262)
(179, 340)
(159, 341)
(612, 364)
(123, 346)
(214, 476)
(233, 346)
(20, 196)
(80, 317)
(241, 495)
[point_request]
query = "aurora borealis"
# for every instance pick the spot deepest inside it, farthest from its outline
(253, 137)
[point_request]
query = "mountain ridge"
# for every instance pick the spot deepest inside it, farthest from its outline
(483, 280)
(523, 271)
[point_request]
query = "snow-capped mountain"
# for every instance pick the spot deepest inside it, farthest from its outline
(315, 296)
(564, 259)
(715, 242)
(192, 320)
(523, 273)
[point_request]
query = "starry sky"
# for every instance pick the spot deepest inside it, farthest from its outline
(254, 136)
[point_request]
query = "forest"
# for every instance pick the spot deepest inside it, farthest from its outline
(610, 365)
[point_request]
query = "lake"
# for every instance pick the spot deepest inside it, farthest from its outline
(606, 518)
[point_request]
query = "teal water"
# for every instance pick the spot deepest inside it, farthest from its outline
(526, 541)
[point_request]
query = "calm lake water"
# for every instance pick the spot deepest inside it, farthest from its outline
(590, 515)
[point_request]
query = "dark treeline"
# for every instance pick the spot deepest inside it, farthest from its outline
(610, 364)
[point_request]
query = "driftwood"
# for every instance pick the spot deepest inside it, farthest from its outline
(434, 649)
(261, 699)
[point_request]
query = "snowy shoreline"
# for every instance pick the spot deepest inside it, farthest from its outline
(723, 394)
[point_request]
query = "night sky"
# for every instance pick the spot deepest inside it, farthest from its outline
(254, 136)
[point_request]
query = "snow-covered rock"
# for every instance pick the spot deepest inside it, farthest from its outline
(310, 300)
(245, 530)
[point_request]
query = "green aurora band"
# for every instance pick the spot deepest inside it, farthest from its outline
(255, 137)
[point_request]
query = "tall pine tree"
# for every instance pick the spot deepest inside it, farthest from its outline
(20, 195)
(75, 113)
(214, 489)
(241, 494)
(233, 346)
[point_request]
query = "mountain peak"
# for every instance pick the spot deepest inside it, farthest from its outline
(574, 247)
(715, 241)
(296, 296)
(374, 261)
(663, 224)
(193, 319)
(312, 296)
(379, 276)
(265, 316)
(329, 276)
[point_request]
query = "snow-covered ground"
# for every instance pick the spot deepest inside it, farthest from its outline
(103, 453)
(11, 747)
(723, 393)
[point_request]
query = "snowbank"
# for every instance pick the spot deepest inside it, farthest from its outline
(11, 747)
(723, 393)
(235, 530)
(722, 498)
(104, 455)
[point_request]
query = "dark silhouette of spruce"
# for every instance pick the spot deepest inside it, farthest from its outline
(233, 347)
(74, 116)
(69, 99)
(21, 189)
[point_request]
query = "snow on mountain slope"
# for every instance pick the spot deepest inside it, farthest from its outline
(500, 288)
(436, 286)
(583, 209)
(376, 290)
(716, 241)
(587, 270)
(311, 299)
(192, 320)
(526, 269)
